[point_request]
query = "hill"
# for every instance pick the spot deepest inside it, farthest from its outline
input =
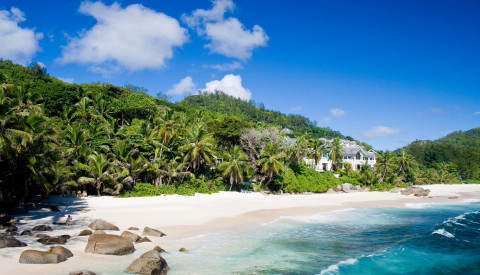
(470, 138)
(460, 149)
(256, 113)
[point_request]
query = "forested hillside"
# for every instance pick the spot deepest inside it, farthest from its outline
(103, 139)
(470, 138)
(256, 113)
(460, 150)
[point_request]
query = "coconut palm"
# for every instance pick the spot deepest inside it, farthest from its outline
(198, 150)
(406, 165)
(336, 153)
(166, 127)
(271, 161)
(317, 148)
(234, 165)
(384, 164)
(98, 169)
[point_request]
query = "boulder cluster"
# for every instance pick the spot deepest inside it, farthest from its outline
(99, 242)
(416, 191)
(347, 188)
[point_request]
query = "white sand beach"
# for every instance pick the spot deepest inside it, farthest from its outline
(181, 217)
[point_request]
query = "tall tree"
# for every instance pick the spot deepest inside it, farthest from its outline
(198, 150)
(336, 153)
(234, 165)
(271, 161)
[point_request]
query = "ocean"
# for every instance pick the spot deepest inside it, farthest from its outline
(419, 239)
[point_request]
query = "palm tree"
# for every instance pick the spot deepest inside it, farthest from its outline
(316, 151)
(234, 166)
(336, 153)
(271, 161)
(384, 163)
(406, 165)
(83, 108)
(99, 170)
(198, 150)
(166, 127)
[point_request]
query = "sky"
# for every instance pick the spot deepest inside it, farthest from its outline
(384, 72)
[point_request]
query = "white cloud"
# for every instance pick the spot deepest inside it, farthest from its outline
(231, 85)
(476, 113)
(235, 65)
(17, 44)
(337, 112)
(436, 110)
(185, 85)
(228, 37)
(199, 16)
(132, 38)
(380, 131)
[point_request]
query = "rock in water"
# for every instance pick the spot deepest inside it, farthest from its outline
(150, 262)
(147, 231)
(62, 239)
(10, 241)
(129, 235)
(62, 251)
(85, 232)
(42, 228)
(159, 249)
(102, 225)
(39, 257)
(109, 244)
(133, 228)
(144, 240)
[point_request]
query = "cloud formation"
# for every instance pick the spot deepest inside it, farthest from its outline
(17, 44)
(230, 85)
(380, 131)
(185, 85)
(337, 112)
(227, 37)
(131, 38)
(436, 110)
(235, 65)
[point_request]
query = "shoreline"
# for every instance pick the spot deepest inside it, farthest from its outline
(185, 217)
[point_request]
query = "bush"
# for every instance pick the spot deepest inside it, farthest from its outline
(200, 186)
(149, 190)
(303, 179)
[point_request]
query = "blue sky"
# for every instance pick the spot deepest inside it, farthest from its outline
(384, 72)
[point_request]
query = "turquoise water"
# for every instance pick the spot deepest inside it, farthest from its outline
(439, 239)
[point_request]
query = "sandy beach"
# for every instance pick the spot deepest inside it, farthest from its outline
(182, 217)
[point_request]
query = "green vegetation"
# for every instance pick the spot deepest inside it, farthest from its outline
(459, 151)
(57, 137)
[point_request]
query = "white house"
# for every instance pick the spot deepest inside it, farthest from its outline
(352, 153)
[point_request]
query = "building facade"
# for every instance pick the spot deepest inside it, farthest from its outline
(352, 153)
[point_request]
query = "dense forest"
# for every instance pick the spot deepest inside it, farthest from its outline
(102, 139)
(460, 151)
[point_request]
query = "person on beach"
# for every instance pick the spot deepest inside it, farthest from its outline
(69, 220)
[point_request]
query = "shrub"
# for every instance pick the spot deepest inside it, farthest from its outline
(148, 190)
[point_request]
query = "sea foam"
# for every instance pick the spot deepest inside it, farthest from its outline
(334, 268)
(443, 232)
(315, 218)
